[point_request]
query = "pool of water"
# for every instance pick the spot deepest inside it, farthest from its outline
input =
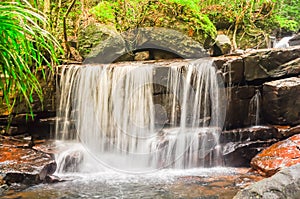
(210, 183)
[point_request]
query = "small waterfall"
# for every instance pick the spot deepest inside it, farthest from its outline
(283, 43)
(111, 112)
(254, 109)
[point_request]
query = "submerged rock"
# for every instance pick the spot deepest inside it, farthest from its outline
(284, 184)
(281, 154)
(19, 164)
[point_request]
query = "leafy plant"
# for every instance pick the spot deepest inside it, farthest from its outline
(25, 47)
(182, 15)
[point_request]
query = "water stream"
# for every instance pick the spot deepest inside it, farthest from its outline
(254, 109)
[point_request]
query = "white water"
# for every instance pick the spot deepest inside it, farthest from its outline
(283, 43)
(110, 112)
(254, 109)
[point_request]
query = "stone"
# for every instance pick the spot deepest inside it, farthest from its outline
(169, 41)
(142, 56)
(239, 146)
(19, 164)
(92, 34)
(295, 40)
(281, 101)
(232, 68)
(250, 134)
(223, 44)
(237, 111)
(72, 161)
(265, 63)
(281, 154)
(9, 130)
(284, 184)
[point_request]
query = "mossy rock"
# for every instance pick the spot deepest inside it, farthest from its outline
(93, 34)
(120, 47)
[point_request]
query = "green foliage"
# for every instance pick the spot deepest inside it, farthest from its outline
(182, 15)
(287, 14)
(104, 12)
(24, 48)
(254, 19)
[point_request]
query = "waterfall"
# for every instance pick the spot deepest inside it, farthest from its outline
(110, 110)
(254, 108)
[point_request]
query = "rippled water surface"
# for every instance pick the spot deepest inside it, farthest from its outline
(193, 183)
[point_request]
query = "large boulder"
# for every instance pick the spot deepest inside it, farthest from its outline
(121, 47)
(280, 155)
(284, 184)
(281, 101)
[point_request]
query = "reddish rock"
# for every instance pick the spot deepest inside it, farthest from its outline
(20, 164)
(281, 154)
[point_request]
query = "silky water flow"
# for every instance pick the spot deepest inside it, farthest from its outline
(107, 118)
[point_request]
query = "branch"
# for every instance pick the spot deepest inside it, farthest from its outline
(65, 26)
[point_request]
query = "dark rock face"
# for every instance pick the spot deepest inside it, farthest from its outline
(232, 68)
(20, 164)
(295, 40)
(237, 111)
(263, 64)
(284, 184)
(282, 154)
(281, 102)
(239, 146)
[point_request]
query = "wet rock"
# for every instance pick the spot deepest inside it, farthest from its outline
(239, 146)
(284, 184)
(281, 154)
(72, 161)
(238, 101)
(24, 165)
(263, 64)
(290, 131)
(9, 130)
(281, 101)
(232, 68)
(295, 40)
(250, 134)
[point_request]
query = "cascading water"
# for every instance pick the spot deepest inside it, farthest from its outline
(110, 110)
(254, 109)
